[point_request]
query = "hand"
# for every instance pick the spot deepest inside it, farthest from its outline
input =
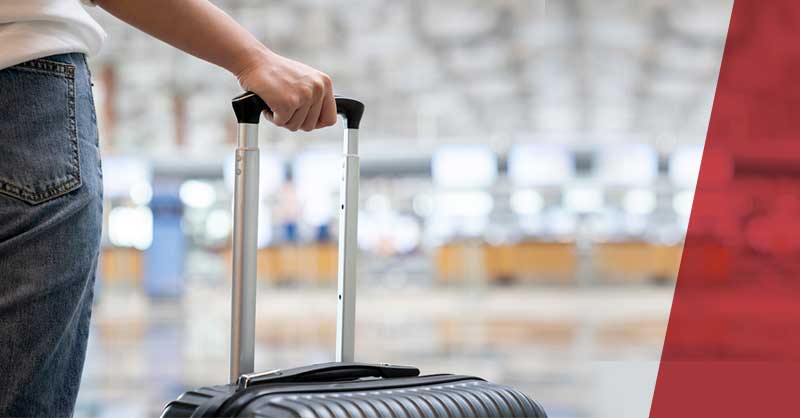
(300, 96)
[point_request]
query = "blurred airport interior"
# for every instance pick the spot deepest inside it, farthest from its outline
(527, 174)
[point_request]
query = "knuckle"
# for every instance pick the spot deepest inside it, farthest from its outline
(319, 86)
(292, 102)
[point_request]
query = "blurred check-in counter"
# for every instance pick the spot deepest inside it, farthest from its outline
(535, 261)
(634, 261)
(314, 262)
(306, 263)
(121, 265)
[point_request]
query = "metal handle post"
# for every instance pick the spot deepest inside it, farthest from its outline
(348, 248)
(245, 244)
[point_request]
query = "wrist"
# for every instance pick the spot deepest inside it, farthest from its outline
(249, 59)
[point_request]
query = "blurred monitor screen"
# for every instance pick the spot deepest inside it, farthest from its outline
(464, 166)
(465, 204)
(540, 165)
(684, 165)
(124, 176)
(316, 171)
(316, 175)
(583, 199)
(626, 165)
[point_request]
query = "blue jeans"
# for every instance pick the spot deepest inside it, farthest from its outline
(50, 221)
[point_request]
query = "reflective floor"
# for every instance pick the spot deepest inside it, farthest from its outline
(581, 352)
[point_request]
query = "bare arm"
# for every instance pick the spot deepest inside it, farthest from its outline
(300, 96)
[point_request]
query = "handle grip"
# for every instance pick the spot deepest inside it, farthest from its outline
(248, 107)
(328, 372)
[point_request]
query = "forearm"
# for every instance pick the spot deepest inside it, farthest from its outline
(195, 26)
(300, 97)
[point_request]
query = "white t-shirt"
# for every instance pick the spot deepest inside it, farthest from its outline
(31, 29)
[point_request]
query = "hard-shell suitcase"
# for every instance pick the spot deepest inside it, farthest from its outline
(342, 388)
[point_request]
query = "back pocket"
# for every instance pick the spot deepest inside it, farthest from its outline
(39, 157)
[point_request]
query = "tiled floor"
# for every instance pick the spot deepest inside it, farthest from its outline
(581, 352)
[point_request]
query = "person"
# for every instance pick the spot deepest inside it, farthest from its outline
(50, 173)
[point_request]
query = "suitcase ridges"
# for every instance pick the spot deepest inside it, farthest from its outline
(188, 403)
(467, 399)
(240, 401)
(522, 399)
(459, 398)
(512, 404)
(487, 403)
(408, 408)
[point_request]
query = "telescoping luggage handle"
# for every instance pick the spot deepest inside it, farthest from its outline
(248, 108)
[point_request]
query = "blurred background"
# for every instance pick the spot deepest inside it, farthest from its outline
(528, 168)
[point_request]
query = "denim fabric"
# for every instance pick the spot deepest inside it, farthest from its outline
(50, 221)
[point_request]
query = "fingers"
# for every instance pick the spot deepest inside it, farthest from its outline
(283, 110)
(327, 116)
(270, 116)
(322, 112)
(313, 109)
(299, 117)
(313, 114)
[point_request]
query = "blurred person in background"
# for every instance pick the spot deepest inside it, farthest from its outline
(50, 176)
(288, 210)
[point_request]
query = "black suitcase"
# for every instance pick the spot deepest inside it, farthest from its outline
(343, 388)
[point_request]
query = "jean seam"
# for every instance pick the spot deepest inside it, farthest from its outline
(47, 67)
(61, 185)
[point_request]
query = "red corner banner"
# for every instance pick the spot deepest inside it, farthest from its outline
(732, 347)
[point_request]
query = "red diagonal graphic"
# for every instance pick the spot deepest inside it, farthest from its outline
(733, 342)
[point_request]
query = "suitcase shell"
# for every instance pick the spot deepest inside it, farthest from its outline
(431, 396)
(343, 388)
